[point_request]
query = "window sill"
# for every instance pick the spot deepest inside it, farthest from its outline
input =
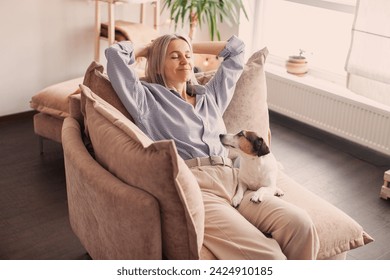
(323, 84)
(312, 78)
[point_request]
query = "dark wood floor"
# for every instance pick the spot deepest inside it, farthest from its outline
(33, 207)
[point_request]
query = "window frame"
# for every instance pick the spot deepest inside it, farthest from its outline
(258, 8)
(346, 6)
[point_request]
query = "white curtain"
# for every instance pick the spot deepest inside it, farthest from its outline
(368, 62)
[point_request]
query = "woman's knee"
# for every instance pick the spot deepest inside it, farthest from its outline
(302, 221)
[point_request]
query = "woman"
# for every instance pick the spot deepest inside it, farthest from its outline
(170, 105)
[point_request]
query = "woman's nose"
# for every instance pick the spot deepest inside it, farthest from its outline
(184, 60)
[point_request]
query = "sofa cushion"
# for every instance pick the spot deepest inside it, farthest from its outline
(248, 108)
(98, 82)
(337, 231)
(154, 167)
(53, 100)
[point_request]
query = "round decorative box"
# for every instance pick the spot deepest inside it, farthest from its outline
(297, 65)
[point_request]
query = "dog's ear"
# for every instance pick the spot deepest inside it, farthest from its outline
(261, 147)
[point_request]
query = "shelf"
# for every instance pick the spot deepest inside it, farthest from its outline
(129, 31)
(117, 30)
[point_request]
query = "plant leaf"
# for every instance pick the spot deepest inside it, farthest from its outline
(210, 12)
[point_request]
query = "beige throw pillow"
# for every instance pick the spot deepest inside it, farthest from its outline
(155, 167)
(54, 100)
(248, 108)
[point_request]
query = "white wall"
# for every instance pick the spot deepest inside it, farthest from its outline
(43, 42)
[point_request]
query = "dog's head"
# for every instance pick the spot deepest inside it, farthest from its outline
(246, 142)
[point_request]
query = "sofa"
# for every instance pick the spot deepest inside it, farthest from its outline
(133, 198)
(52, 107)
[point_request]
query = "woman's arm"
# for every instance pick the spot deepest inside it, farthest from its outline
(224, 81)
(124, 79)
(208, 47)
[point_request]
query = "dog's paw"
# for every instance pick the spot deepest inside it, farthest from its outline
(259, 195)
(236, 200)
(256, 198)
(279, 192)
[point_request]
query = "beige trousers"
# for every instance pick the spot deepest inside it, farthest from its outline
(272, 229)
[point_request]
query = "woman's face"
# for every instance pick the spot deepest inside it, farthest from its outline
(178, 63)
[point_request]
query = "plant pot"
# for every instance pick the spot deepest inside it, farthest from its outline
(297, 65)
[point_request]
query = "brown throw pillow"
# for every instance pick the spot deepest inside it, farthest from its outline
(98, 82)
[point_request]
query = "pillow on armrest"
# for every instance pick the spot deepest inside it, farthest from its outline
(53, 100)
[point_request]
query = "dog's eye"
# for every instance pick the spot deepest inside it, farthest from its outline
(241, 133)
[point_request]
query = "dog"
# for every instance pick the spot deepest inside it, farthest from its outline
(258, 167)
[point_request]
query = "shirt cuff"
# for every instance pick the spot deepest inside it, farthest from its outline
(233, 47)
(127, 48)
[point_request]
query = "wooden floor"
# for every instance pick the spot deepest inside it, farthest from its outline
(33, 208)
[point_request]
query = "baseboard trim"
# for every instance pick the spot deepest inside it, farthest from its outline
(17, 116)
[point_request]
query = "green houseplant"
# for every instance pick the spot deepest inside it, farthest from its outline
(210, 12)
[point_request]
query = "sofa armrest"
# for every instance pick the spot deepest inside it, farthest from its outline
(75, 107)
(113, 220)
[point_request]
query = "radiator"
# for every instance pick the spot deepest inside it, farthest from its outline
(342, 113)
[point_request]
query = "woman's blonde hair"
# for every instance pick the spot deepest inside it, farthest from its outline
(154, 70)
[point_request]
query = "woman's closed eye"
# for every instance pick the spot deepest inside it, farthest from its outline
(187, 56)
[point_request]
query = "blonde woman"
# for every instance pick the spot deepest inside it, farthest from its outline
(169, 104)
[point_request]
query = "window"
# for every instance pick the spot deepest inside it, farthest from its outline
(322, 29)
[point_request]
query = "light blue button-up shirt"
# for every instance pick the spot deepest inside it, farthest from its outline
(162, 114)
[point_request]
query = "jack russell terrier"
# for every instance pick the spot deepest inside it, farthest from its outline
(258, 166)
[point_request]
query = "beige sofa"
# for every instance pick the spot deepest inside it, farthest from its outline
(132, 198)
(52, 106)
